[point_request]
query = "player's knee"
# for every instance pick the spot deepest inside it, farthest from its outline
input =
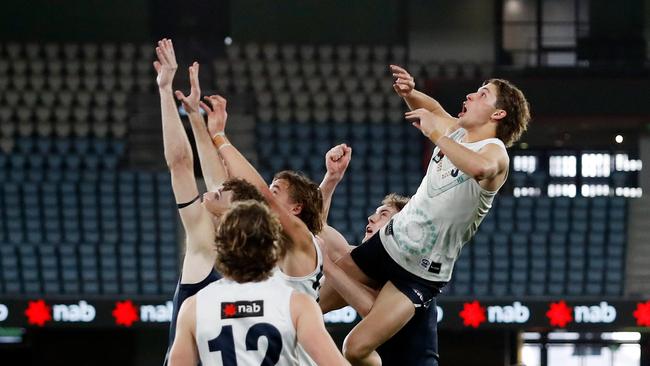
(355, 349)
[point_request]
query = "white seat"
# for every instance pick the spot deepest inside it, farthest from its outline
(255, 68)
(344, 52)
(233, 52)
(288, 52)
(19, 67)
(19, 82)
(270, 51)
(273, 69)
(223, 84)
(14, 50)
(100, 129)
(54, 67)
(51, 51)
(144, 68)
(379, 69)
(127, 51)
(283, 115)
(118, 98)
(260, 84)
(90, 51)
(221, 67)
(362, 53)
(238, 69)
(340, 115)
(395, 115)
(252, 51)
(43, 114)
(24, 115)
(83, 99)
(325, 52)
(264, 114)
(302, 115)
(90, 82)
(4, 66)
(264, 99)
(47, 98)
(344, 68)
(81, 129)
(321, 115)
(282, 100)
(109, 51)
(333, 85)
(308, 69)
(144, 83)
(72, 67)
(7, 144)
(63, 128)
(358, 115)
(376, 115)
(12, 99)
(44, 128)
(307, 52)
(278, 84)
(326, 69)
(71, 51)
(26, 128)
(108, 82)
(101, 98)
(107, 67)
(119, 114)
(368, 84)
(147, 51)
(296, 85)
(4, 82)
(339, 100)
(380, 53)
(351, 85)
(357, 100)
(33, 51)
(100, 114)
(65, 98)
(29, 98)
(301, 100)
(241, 85)
(361, 69)
(125, 67)
(291, 68)
(320, 99)
(80, 114)
(376, 100)
(37, 67)
(5, 115)
(37, 82)
(314, 84)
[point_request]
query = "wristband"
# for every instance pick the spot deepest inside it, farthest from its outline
(224, 145)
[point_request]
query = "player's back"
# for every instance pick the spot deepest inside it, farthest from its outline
(245, 324)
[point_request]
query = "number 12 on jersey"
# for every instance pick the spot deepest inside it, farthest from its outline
(225, 343)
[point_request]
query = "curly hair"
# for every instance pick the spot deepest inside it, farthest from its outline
(513, 101)
(395, 200)
(242, 190)
(306, 193)
(247, 242)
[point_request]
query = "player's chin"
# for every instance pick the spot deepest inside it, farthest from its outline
(368, 235)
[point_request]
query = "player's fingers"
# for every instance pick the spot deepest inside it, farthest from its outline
(205, 107)
(395, 68)
(157, 66)
(179, 95)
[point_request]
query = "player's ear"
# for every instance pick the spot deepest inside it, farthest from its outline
(296, 209)
(499, 114)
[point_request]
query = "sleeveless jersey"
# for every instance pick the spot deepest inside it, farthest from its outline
(309, 285)
(426, 237)
(245, 324)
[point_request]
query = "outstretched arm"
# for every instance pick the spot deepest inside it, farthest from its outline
(337, 160)
(404, 86)
(214, 171)
(301, 245)
(484, 165)
(178, 155)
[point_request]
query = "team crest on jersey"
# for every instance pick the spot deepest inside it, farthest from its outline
(242, 309)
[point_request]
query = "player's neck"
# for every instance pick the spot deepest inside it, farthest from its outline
(479, 133)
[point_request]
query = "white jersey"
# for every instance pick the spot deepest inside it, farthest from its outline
(427, 235)
(245, 324)
(310, 285)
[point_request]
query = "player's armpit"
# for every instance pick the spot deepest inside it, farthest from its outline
(311, 333)
(495, 166)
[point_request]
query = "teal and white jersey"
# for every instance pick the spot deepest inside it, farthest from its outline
(426, 237)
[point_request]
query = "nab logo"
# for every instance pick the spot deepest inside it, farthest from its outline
(242, 309)
(515, 313)
(603, 313)
(156, 313)
(82, 312)
(345, 315)
(4, 312)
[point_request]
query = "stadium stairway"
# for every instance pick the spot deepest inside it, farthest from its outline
(638, 272)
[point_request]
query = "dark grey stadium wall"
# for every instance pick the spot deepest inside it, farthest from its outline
(75, 20)
(314, 21)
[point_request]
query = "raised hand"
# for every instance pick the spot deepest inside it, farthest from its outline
(429, 124)
(404, 83)
(166, 64)
(191, 102)
(337, 160)
(217, 114)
